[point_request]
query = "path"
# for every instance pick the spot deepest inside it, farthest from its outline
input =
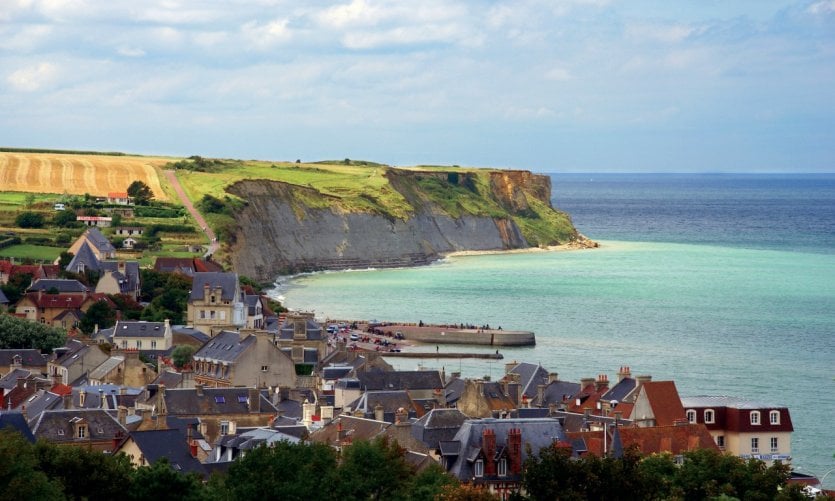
(213, 244)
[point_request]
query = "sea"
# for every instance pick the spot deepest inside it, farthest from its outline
(724, 283)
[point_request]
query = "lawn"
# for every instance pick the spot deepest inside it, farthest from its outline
(28, 251)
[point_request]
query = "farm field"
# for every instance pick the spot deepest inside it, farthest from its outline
(34, 252)
(77, 174)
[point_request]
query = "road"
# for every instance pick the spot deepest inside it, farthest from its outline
(210, 235)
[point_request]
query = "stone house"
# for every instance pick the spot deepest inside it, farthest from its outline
(98, 243)
(51, 308)
(124, 369)
(215, 302)
(488, 399)
(92, 429)
(243, 359)
(74, 360)
(301, 337)
(138, 335)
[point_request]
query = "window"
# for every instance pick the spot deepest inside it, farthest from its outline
(755, 417)
(153, 345)
(212, 300)
(720, 441)
(138, 344)
(774, 447)
(265, 368)
(755, 445)
(222, 315)
(202, 314)
(224, 427)
(479, 468)
(82, 431)
(124, 343)
(503, 467)
(709, 416)
(212, 314)
(219, 399)
(691, 416)
(774, 417)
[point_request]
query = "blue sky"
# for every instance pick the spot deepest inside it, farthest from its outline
(550, 86)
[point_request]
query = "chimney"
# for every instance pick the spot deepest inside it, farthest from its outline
(509, 366)
(514, 446)
(16, 361)
(122, 415)
(67, 400)
(379, 413)
(101, 399)
(199, 388)
(401, 417)
(540, 394)
(602, 382)
(623, 373)
(254, 400)
(82, 398)
(488, 445)
(586, 382)
(553, 377)
(641, 380)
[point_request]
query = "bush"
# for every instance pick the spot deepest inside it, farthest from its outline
(29, 220)
(212, 205)
(151, 211)
(65, 219)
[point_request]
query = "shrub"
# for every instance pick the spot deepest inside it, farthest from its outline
(29, 220)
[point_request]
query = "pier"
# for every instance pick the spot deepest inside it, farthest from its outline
(415, 354)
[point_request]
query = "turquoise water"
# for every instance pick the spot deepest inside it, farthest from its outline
(752, 316)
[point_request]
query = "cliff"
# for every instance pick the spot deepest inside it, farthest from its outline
(286, 228)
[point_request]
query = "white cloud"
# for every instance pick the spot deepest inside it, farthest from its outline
(26, 38)
(822, 7)
(558, 74)
(668, 34)
(266, 35)
(130, 51)
(33, 78)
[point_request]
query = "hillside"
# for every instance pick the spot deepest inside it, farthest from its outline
(284, 217)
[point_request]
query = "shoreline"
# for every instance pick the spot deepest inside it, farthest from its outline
(582, 243)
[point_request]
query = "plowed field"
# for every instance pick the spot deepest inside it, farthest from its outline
(97, 175)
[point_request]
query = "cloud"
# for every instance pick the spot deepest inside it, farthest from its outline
(668, 34)
(33, 78)
(822, 7)
(130, 51)
(266, 35)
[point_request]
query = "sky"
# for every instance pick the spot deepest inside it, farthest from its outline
(549, 86)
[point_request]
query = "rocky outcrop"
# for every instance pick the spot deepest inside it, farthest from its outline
(281, 231)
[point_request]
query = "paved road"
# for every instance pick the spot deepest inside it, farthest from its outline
(213, 243)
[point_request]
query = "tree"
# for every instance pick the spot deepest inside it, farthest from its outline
(182, 355)
(16, 286)
(19, 474)
(431, 483)
(160, 481)
(99, 313)
(29, 220)
(286, 471)
(65, 219)
(85, 473)
(140, 192)
(20, 333)
(392, 473)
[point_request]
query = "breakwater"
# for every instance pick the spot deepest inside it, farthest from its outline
(451, 334)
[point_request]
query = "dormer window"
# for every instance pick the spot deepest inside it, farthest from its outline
(503, 467)
(755, 417)
(691, 416)
(774, 417)
(710, 416)
(212, 299)
(479, 468)
(81, 431)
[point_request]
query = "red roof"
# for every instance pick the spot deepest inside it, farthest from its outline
(665, 402)
(655, 439)
(61, 390)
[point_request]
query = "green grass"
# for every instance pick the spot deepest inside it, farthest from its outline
(36, 252)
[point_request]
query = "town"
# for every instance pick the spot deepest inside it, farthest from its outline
(235, 372)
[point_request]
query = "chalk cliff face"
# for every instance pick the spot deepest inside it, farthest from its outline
(281, 231)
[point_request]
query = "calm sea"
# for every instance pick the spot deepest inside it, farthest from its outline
(723, 283)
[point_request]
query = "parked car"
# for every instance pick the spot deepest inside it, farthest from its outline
(355, 336)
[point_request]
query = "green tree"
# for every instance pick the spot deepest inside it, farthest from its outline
(392, 474)
(85, 473)
(20, 477)
(20, 333)
(16, 286)
(429, 484)
(65, 219)
(29, 220)
(160, 481)
(182, 355)
(303, 472)
(140, 192)
(99, 313)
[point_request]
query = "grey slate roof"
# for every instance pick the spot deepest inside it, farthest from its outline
(559, 391)
(169, 379)
(57, 425)
(130, 274)
(3, 298)
(391, 401)
(530, 376)
(106, 367)
(186, 402)
(400, 380)
(331, 373)
(98, 239)
(84, 258)
(314, 330)
(251, 301)
(28, 358)
(453, 390)
(621, 390)
(200, 336)
(62, 285)
(438, 425)
(9, 381)
(227, 281)
(42, 400)
(536, 433)
(139, 329)
(726, 401)
(15, 421)
(225, 347)
(169, 444)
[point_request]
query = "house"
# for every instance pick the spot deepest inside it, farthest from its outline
(491, 452)
(123, 368)
(128, 231)
(530, 376)
(119, 198)
(233, 446)
(215, 302)
(129, 243)
(96, 221)
(50, 308)
(36, 271)
(59, 286)
(185, 265)
(675, 440)
(139, 335)
(220, 410)
(75, 360)
(254, 311)
(92, 429)
(32, 360)
(436, 426)
(98, 243)
(119, 277)
(243, 359)
(301, 337)
(178, 446)
(658, 404)
(556, 392)
(742, 427)
(390, 406)
(487, 399)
